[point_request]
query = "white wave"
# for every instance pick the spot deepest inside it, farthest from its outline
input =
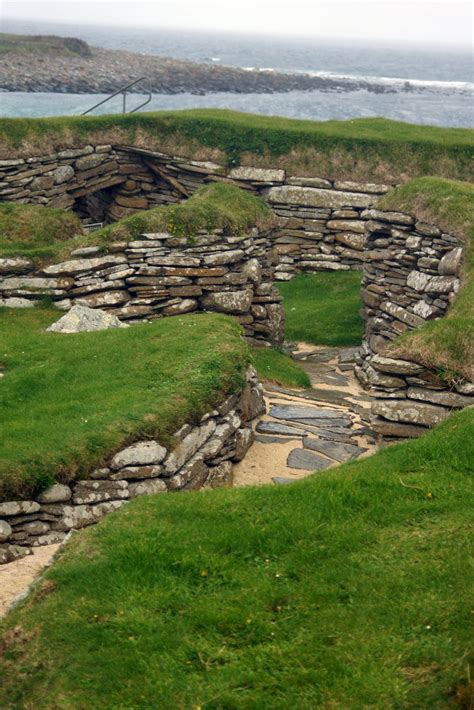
(435, 84)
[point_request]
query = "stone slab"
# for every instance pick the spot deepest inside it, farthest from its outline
(336, 451)
(307, 460)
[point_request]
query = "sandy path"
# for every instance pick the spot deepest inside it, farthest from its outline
(16, 577)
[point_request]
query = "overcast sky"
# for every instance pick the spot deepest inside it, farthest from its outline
(439, 22)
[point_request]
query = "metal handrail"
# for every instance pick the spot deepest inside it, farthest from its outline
(123, 90)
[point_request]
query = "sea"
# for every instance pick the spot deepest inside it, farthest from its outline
(442, 78)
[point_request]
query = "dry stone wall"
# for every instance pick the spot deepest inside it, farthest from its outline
(411, 275)
(161, 275)
(203, 457)
(320, 220)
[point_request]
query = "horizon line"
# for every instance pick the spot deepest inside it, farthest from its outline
(343, 38)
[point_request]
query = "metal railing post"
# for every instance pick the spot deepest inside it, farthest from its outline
(123, 90)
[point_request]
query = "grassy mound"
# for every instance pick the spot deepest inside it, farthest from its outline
(216, 206)
(69, 401)
(43, 44)
(323, 308)
(446, 344)
(48, 235)
(376, 149)
(273, 365)
(351, 589)
(35, 231)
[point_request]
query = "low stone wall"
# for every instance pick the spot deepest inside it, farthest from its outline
(411, 275)
(161, 275)
(320, 220)
(203, 457)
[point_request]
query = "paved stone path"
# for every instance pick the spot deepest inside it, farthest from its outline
(310, 430)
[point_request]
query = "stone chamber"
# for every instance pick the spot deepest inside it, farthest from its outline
(410, 274)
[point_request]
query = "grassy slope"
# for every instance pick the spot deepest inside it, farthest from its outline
(69, 401)
(35, 231)
(375, 148)
(446, 344)
(323, 308)
(273, 365)
(47, 234)
(351, 589)
(215, 206)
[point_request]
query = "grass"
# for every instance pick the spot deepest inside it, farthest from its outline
(35, 231)
(46, 234)
(323, 308)
(273, 365)
(43, 45)
(70, 401)
(446, 344)
(350, 589)
(216, 206)
(375, 149)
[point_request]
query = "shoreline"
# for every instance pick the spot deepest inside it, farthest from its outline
(103, 71)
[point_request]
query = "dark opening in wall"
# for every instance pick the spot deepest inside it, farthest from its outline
(94, 207)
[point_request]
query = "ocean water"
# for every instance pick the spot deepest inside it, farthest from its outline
(442, 80)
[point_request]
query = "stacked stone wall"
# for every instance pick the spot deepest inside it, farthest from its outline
(202, 457)
(412, 273)
(320, 220)
(160, 275)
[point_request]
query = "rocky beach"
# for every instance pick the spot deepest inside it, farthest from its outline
(68, 65)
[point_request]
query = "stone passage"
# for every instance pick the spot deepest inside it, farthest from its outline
(310, 430)
(203, 457)
(411, 275)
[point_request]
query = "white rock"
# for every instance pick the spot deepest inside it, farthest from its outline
(143, 453)
(150, 487)
(82, 319)
(5, 531)
(14, 302)
(19, 507)
(57, 493)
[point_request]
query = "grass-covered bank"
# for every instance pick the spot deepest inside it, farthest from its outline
(35, 231)
(323, 308)
(215, 206)
(46, 234)
(69, 401)
(273, 365)
(351, 589)
(375, 149)
(446, 344)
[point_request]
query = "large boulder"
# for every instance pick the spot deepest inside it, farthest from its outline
(82, 319)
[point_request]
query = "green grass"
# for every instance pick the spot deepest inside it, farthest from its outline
(351, 589)
(273, 365)
(216, 206)
(43, 44)
(46, 234)
(446, 344)
(69, 401)
(371, 148)
(323, 308)
(35, 231)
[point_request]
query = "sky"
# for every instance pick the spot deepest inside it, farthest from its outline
(433, 22)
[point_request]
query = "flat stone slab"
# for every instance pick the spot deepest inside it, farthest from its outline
(338, 452)
(307, 460)
(300, 412)
(283, 480)
(276, 428)
(342, 423)
(262, 439)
